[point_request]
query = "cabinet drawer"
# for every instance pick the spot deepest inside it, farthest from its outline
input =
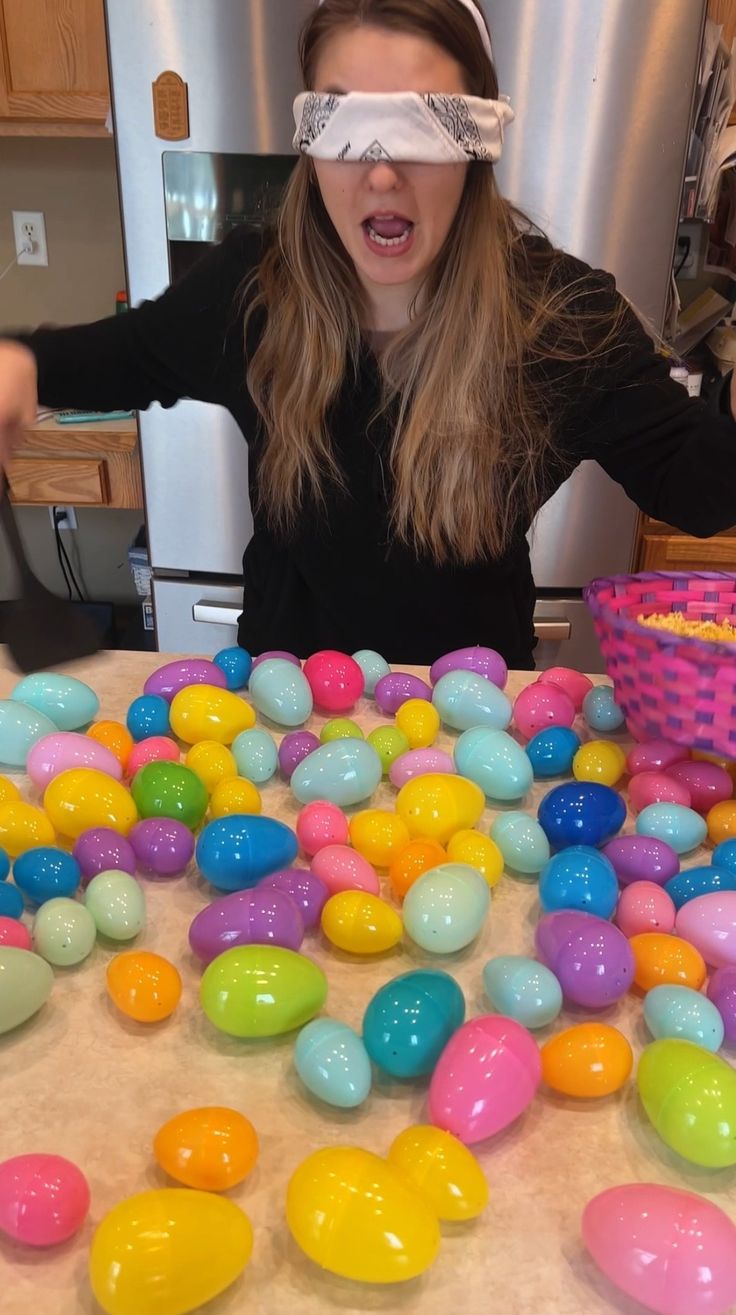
(660, 552)
(77, 482)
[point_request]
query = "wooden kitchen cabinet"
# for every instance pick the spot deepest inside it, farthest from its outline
(662, 548)
(93, 466)
(53, 68)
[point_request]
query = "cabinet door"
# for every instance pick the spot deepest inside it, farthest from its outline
(53, 66)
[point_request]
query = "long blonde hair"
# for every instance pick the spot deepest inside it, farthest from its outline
(470, 429)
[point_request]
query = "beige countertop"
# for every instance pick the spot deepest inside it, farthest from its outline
(81, 1081)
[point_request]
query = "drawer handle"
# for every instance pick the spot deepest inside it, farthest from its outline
(216, 614)
(555, 628)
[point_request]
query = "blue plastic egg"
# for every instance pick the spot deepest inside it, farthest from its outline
(601, 711)
(279, 690)
(11, 900)
(4, 865)
(236, 664)
(522, 842)
(256, 755)
(410, 1020)
(235, 852)
(552, 750)
(724, 855)
(682, 828)
(579, 877)
(333, 1063)
(47, 873)
(148, 715)
(465, 699)
(374, 668)
(66, 701)
(692, 882)
(446, 907)
(523, 989)
(21, 726)
(495, 762)
(581, 813)
(679, 1011)
(345, 772)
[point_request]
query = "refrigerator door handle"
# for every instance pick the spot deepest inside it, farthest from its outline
(216, 614)
(553, 628)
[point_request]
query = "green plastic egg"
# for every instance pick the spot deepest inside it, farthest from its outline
(165, 789)
(522, 842)
(389, 743)
(25, 985)
(20, 727)
(68, 702)
(340, 728)
(446, 907)
(64, 932)
(690, 1096)
(117, 904)
(261, 990)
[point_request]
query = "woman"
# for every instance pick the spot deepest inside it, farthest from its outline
(414, 369)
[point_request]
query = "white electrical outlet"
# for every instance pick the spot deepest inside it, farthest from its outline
(64, 518)
(29, 228)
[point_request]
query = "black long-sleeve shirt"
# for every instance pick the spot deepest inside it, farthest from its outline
(340, 580)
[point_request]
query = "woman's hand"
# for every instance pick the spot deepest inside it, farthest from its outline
(18, 396)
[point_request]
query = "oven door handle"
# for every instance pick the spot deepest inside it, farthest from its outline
(555, 628)
(211, 613)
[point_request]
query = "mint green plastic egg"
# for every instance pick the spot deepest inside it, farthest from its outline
(345, 772)
(66, 701)
(446, 907)
(333, 1063)
(496, 763)
(117, 904)
(465, 699)
(280, 691)
(25, 984)
(522, 842)
(64, 932)
(256, 755)
(21, 726)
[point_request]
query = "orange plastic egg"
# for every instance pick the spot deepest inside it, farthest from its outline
(663, 960)
(9, 791)
(378, 835)
(213, 1148)
(235, 796)
(722, 821)
(144, 986)
(23, 826)
(411, 861)
(115, 737)
(479, 851)
(591, 1059)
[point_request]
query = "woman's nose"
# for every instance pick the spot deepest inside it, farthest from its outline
(384, 177)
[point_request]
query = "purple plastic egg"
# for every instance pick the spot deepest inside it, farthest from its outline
(168, 680)
(163, 846)
(645, 906)
(591, 959)
(294, 748)
(418, 762)
(260, 916)
(397, 688)
(722, 991)
(656, 788)
(54, 754)
(103, 850)
(642, 858)
(306, 890)
(275, 653)
(707, 783)
(655, 756)
(485, 661)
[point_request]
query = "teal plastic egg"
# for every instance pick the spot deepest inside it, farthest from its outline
(345, 772)
(280, 691)
(465, 699)
(66, 701)
(373, 666)
(446, 907)
(679, 1011)
(25, 984)
(117, 904)
(21, 726)
(409, 1021)
(64, 932)
(522, 842)
(682, 828)
(522, 989)
(333, 1063)
(495, 762)
(256, 755)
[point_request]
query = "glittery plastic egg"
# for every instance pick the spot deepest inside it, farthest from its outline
(579, 878)
(410, 1020)
(117, 904)
(476, 851)
(583, 813)
(397, 688)
(25, 985)
(645, 906)
(170, 790)
(495, 762)
(345, 772)
(664, 960)
(83, 798)
(361, 923)
(378, 835)
(689, 1095)
(101, 849)
(642, 858)
(442, 1170)
(236, 665)
(391, 744)
(522, 989)
(211, 1148)
(541, 705)
(58, 753)
(601, 710)
(444, 910)
(261, 990)
(341, 868)
(206, 712)
(485, 1078)
(522, 842)
(263, 916)
(420, 722)
(144, 986)
(46, 873)
(412, 860)
(178, 675)
(147, 716)
(64, 932)
(115, 737)
(162, 846)
(589, 1060)
(319, 824)
(23, 827)
(44, 1199)
(373, 667)
(234, 853)
(333, 1063)
(483, 661)
(436, 806)
(551, 751)
(280, 691)
(305, 889)
(21, 726)
(678, 1011)
(599, 760)
(709, 924)
(234, 796)
(465, 699)
(335, 679)
(591, 959)
(212, 763)
(574, 683)
(68, 702)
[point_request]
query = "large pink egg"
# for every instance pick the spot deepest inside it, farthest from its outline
(484, 661)
(574, 683)
(342, 868)
(485, 1077)
(645, 906)
(542, 705)
(709, 923)
(672, 1251)
(320, 824)
(335, 679)
(418, 762)
(44, 1199)
(656, 788)
(655, 756)
(168, 680)
(157, 748)
(708, 783)
(62, 752)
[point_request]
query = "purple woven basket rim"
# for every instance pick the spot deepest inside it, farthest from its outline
(710, 647)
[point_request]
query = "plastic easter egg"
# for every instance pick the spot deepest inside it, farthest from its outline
(724, 855)
(144, 986)
(294, 748)
(277, 655)
(373, 666)
(591, 959)
(645, 906)
(115, 737)
(345, 772)
(261, 990)
(46, 873)
(25, 985)
(170, 790)
(495, 762)
(442, 1170)
(601, 710)
(64, 932)
(599, 760)
(84, 798)
(706, 783)
(340, 728)
(341, 868)
(522, 989)
(11, 900)
(14, 933)
(206, 712)
(351, 1213)
(361, 923)
(420, 722)
(178, 675)
(117, 904)
(670, 1250)
(693, 882)
(335, 679)
(485, 1078)
(663, 960)
(66, 749)
(446, 907)
(101, 849)
(476, 851)
(419, 762)
(541, 705)
(305, 889)
(263, 916)
(212, 762)
(589, 1060)
(234, 796)
(579, 878)
(319, 824)
(4, 864)
(167, 1252)
(378, 835)
(157, 748)
(21, 726)
(23, 827)
(256, 755)
(333, 1063)
(655, 756)
(280, 691)
(721, 822)
(397, 688)
(234, 853)
(390, 744)
(574, 683)
(436, 806)
(410, 1020)
(413, 859)
(212, 1149)
(522, 842)
(584, 813)
(722, 992)
(44, 1199)
(483, 661)
(709, 924)
(66, 701)
(678, 1011)
(464, 700)
(147, 716)
(162, 846)
(551, 751)
(642, 858)
(689, 1095)
(236, 664)
(9, 792)
(728, 764)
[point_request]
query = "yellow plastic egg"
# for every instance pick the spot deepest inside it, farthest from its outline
(378, 835)
(601, 761)
(442, 1170)
(212, 763)
(22, 827)
(479, 852)
(591, 1059)
(84, 798)
(420, 722)
(361, 923)
(437, 805)
(235, 796)
(205, 712)
(8, 791)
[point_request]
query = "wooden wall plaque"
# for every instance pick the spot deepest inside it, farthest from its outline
(171, 107)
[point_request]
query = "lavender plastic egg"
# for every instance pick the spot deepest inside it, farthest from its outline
(397, 688)
(169, 679)
(58, 753)
(485, 661)
(263, 916)
(642, 858)
(709, 923)
(276, 653)
(163, 846)
(418, 762)
(722, 991)
(306, 890)
(655, 756)
(102, 850)
(591, 959)
(294, 748)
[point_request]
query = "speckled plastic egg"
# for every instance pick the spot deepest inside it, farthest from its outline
(335, 679)
(436, 806)
(655, 756)
(206, 712)
(21, 726)
(642, 858)
(409, 1021)
(645, 906)
(574, 683)
(664, 960)
(478, 851)
(294, 748)
(693, 882)
(541, 705)
(319, 824)
(390, 744)
(378, 835)
(591, 959)
(345, 772)
(419, 762)
(117, 904)
(101, 849)
(722, 991)
(444, 910)
(483, 661)
(64, 932)
(170, 790)
(465, 699)
(522, 842)
(66, 749)
(579, 877)
(212, 763)
(709, 923)
(485, 1078)
(264, 916)
(83, 798)
(599, 760)
(397, 688)
(341, 868)
(236, 665)
(601, 710)
(495, 762)
(261, 990)
(256, 755)
(583, 813)
(551, 751)
(68, 702)
(588, 1061)
(25, 985)
(333, 1063)
(656, 788)
(305, 889)
(707, 783)
(147, 716)
(373, 666)
(420, 722)
(678, 1011)
(45, 873)
(442, 1170)
(340, 728)
(523, 989)
(689, 1095)
(234, 853)
(682, 828)
(361, 923)
(23, 827)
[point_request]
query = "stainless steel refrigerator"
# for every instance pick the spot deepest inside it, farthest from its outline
(603, 92)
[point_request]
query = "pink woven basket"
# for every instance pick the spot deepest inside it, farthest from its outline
(680, 689)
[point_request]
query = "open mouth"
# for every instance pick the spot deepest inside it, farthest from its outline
(389, 232)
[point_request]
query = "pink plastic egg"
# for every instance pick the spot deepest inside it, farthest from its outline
(485, 1077)
(670, 1250)
(655, 756)
(574, 683)
(708, 783)
(484, 661)
(64, 751)
(542, 705)
(44, 1199)
(709, 923)
(175, 676)
(157, 748)
(14, 933)
(656, 788)
(335, 679)
(102, 850)
(645, 906)
(342, 868)
(397, 688)
(320, 824)
(418, 762)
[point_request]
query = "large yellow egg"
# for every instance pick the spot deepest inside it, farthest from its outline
(442, 1170)
(437, 805)
(212, 763)
(378, 835)
(599, 760)
(478, 851)
(420, 722)
(205, 712)
(235, 796)
(84, 798)
(361, 923)
(591, 1059)
(8, 791)
(22, 827)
